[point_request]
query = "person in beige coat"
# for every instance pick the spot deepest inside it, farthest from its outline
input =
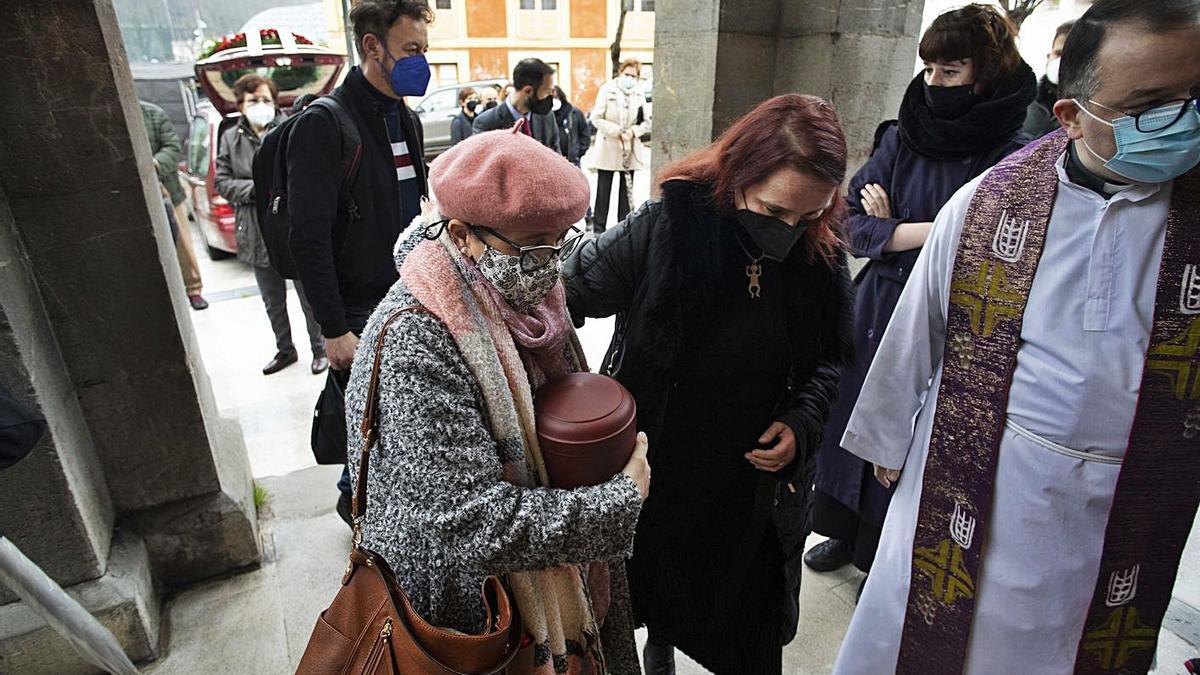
(620, 122)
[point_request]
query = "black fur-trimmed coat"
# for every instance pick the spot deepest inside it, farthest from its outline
(650, 271)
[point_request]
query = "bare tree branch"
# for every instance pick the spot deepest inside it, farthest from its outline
(615, 50)
(1019, 10)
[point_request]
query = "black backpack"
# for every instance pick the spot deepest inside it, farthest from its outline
(271, 180)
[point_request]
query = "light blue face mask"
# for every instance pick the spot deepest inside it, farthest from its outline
(1152, 156)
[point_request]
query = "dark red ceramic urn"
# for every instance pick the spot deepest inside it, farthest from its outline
(587, 427)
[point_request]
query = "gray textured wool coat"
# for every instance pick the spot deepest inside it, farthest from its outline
(438, 509)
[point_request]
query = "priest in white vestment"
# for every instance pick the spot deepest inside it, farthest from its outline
(1085, 334)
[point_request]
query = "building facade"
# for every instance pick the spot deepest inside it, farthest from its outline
(483, 39)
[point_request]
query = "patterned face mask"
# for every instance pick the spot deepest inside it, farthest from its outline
(523, 290)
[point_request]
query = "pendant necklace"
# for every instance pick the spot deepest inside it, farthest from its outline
(753, 270)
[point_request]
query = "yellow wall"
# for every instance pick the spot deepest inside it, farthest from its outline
(489, 63)
(589, 18)
(486, 18)
(591, 69)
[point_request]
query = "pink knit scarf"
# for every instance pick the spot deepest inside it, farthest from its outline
(541, 336)
(511, 355)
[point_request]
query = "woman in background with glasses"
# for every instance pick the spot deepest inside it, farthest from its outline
(731, 296)
(457, 487)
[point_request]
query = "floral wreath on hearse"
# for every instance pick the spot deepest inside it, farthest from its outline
(269, 36)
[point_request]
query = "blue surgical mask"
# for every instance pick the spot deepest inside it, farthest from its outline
(410, 76)
(1153, 156)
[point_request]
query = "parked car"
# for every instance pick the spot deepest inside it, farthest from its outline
(296, 67)
(436, 110)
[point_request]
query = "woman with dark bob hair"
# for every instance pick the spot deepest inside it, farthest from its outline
(962, 114)
(731, 296)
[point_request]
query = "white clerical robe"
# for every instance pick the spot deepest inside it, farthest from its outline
(1084, 339)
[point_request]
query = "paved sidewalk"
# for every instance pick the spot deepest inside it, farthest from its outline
(259, 622)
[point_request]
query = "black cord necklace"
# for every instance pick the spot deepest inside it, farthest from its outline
(753, 270)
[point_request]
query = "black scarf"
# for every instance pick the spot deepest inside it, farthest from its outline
(989, 123)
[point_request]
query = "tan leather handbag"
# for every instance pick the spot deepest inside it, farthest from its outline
(372, 629)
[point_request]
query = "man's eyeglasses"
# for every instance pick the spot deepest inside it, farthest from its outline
(532, 258)
(1159, 117)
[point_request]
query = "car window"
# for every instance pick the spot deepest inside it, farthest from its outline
(445, 100)
(197, 150)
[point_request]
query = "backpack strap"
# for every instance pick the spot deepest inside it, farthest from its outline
(351, 150)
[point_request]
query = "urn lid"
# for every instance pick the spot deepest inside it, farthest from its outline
(583, 409)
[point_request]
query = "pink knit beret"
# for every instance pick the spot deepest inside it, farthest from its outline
(509, 182)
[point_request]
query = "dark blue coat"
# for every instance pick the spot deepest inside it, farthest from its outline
(918, 187)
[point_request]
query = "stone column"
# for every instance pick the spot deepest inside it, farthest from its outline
(716, 59)
(857, 54)
(95, 330)
(55, 504)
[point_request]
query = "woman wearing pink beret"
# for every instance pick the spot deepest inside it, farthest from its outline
(457, 486)
(733, 310)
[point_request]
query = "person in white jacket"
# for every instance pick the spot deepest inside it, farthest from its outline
(620, 123)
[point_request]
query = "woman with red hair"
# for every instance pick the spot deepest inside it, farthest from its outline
(733, 314)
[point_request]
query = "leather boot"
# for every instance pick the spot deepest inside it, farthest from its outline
(658, 658)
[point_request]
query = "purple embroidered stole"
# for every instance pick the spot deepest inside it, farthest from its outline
(1159, 485)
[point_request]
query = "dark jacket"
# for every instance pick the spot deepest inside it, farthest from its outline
(574, 134)
(1040, 119)
(460, 127)
(166, 149)
(644, 271)
(345, 260)
(235, 182)
(544, 127)
(918, 186)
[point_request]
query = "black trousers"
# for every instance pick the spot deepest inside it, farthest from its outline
(604, 181)
(274, 295)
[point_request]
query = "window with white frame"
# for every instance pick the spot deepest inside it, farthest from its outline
(547, 5)
(444, 73)
(638, 5)
(442, 4)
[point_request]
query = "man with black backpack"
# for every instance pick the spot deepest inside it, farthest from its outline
(350, 192)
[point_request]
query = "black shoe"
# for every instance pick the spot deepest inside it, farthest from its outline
(829, 555)
(320, 364)
(282, 360)
(858, 595)
(658, 658)
(344, 509)
(198, 302)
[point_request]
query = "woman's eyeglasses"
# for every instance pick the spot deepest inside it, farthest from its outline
(532, 258)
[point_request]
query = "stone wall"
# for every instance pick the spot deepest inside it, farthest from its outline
(717, 59)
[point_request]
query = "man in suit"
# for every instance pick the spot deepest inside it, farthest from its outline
(532, 99)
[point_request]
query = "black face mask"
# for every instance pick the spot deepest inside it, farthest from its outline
(541, 106)
(950, 103)
(472, 105)
(774, 238)
(490, 105)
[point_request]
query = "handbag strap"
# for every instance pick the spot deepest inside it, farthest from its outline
(370, 425)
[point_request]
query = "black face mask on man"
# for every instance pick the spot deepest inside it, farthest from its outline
(950, 103)
(540, 106)
(774, 238)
